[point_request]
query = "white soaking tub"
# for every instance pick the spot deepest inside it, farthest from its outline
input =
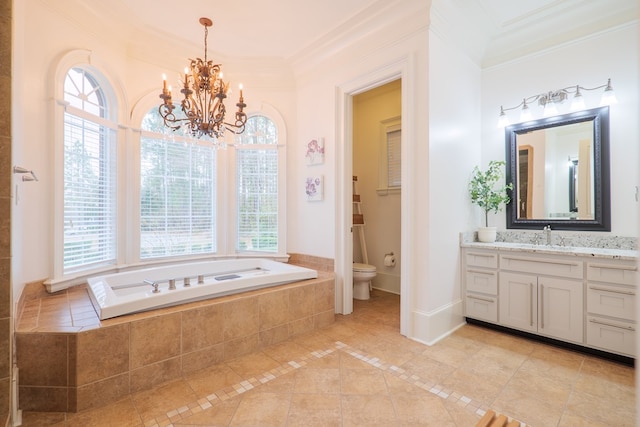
(146, 289)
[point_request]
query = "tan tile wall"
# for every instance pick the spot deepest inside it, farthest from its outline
(5, 209)
(100, 365)
(311, 261)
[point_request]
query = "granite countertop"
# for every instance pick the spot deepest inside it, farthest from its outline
(607, 253)
(579, 244)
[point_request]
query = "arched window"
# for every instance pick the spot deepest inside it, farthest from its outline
(89, 174)
(257, 186)
(177, 192)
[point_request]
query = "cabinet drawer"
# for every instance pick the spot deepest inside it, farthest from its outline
(610, 335)
(612, 273)
(481, 259)
(614, 301)
(485, 281)
(482, 307)
(546, 266)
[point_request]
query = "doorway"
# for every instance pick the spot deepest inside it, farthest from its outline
(403, 71)
(377, 184)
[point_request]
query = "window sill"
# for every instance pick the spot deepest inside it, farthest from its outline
(388, 191)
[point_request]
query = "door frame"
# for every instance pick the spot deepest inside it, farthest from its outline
(401, 69)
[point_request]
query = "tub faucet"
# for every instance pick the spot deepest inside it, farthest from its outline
(547, 233)
(154, 284)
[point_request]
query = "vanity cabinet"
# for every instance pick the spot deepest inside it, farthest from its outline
(573, 298)
(611, 306)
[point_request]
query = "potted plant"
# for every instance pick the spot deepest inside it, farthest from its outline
(486, 192)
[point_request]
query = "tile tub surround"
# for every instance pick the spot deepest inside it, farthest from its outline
(69, 360)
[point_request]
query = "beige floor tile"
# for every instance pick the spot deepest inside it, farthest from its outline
(427, 368)
(369, 410)
(321, 410)
(311, 380)
(286, 351)
(252, 364)
(219, 414)
(262, 409)
(615, 412)
(544, 388)
(570, 419)
(453, 351)
(160, 400)
(362, 381)
(521, 405)
(474, 386)
(212, 379)
(421, 408)
(122, 413)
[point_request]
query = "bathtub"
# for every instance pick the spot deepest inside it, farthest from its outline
(150, 288)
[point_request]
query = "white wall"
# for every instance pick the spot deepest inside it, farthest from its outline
(588, 62)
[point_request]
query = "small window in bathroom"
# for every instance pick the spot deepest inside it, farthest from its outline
(390, 179)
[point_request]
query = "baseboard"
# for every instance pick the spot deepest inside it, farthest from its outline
(387, 282)
(430, 327)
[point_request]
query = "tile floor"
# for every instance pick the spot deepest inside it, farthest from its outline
(361, 371)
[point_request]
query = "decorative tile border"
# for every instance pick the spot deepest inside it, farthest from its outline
(178, 414)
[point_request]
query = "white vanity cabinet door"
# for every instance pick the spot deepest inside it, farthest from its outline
(518, 301)
(544, 305)
(560, 307)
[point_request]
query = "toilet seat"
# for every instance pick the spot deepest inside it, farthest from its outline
(363, 268)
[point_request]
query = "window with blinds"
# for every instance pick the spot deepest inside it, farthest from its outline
(390, 165)
(257, 186)
(89, 235)
(393, 159)
(177, 194)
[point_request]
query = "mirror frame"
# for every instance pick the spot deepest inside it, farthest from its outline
(602, 192)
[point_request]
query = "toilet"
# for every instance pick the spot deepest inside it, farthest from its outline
(362, 275)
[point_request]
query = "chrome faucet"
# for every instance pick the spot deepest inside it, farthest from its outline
(547, 233)
(154, 284)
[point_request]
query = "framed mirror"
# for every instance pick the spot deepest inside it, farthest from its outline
(559, 167)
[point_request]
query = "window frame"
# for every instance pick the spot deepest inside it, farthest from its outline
(81, 59)
(387, 127)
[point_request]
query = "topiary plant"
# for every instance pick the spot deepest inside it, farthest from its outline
(484, 189)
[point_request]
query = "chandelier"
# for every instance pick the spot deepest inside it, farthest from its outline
(203, 103)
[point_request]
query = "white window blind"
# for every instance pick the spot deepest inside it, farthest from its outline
(177, 198)
(89, 234)
(257, 186)
(394, 178)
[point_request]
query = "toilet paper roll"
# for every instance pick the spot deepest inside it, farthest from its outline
(389, 260)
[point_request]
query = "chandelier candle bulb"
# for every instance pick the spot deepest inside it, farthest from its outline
(164, 83)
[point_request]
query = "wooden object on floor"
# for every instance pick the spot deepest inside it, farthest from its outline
(491, 420)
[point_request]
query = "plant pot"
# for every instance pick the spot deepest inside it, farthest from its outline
(487, 234)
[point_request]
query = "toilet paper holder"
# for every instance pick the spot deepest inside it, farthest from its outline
(389, 260)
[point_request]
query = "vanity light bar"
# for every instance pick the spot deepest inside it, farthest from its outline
(548, 101)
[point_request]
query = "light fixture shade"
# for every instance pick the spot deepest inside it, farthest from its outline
(608, 97)
(525, 114)
(577, 103)
(550, 109)
(503, 120)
